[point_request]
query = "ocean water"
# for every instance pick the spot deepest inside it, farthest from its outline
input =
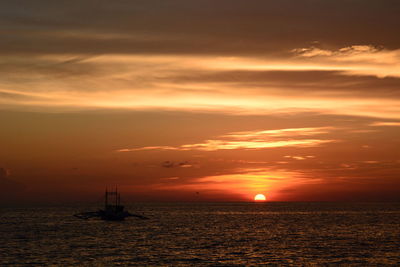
(217, 234)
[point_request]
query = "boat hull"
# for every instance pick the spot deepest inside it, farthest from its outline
(113, 216)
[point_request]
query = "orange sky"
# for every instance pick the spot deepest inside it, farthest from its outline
(200, 100)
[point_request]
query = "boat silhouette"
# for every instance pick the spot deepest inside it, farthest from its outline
(113, 210)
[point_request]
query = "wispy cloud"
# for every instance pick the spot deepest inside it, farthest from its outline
(138, 82)
(242, 182)
(279, 133)
(385, 123)
(138, 57)
(251, 140)
(299, 157)
(183, 164)
(356, 59)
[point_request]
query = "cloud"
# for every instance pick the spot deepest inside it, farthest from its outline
(228, 57)
(290, 132)
(212, 145)
(335, 84)
(299, 157)
(168, 164)
(211, 27)
(186, 164)
(385, 123)
(351, 52)
(238, 62)
(149, 148)
(171, 178)
(183, 164)
(252, 140)
(240, 182)
(371, 162)
(330, 179)
(355, 60)
(137, 82)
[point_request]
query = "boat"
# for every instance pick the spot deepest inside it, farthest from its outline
(113, 210)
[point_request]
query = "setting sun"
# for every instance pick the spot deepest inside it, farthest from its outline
(259, 197)
(240, 132)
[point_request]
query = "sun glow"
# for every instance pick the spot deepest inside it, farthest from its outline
(244, 183)
(259, 197)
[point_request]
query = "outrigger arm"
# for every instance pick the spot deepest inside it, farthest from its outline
(87, 215)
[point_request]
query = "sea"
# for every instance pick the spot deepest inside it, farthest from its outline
(205, 234)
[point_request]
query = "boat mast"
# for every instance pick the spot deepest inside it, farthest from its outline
(116, 197)
(106, 199)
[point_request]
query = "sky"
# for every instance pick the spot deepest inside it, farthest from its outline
(298, 100)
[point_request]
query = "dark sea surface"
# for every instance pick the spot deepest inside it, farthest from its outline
(218, 234)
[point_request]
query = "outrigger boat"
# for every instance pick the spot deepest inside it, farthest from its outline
(113, 210)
